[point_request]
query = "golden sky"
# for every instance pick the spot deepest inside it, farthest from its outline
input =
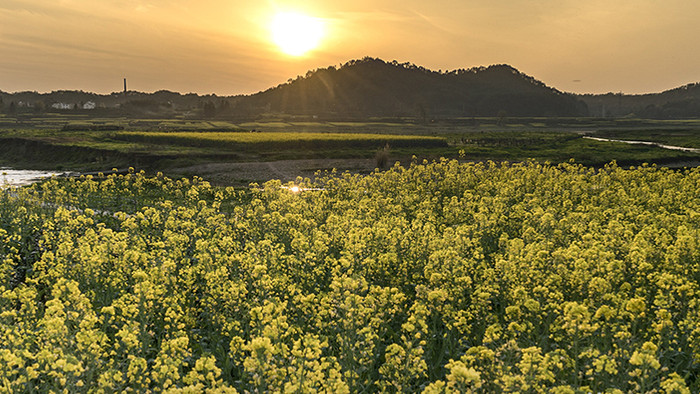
(225, 47)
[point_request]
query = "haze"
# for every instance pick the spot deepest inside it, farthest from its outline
(224, 46)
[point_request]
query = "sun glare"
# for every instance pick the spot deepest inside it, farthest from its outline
(296, 34)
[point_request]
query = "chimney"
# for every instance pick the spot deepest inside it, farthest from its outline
(124, 87)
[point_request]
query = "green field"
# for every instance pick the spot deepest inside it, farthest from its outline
(278, 141)
(160, 144)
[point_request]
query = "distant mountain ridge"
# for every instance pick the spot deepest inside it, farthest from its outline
(372, 87)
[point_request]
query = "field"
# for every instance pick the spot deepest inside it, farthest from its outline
(277, 141)
(453, 275)
(161, 151)
(182, 147)
(439, 277)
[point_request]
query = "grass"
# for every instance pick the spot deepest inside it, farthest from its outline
(688, 137)
(162, 143)
(151, 150)
(281, 140)
(559, 147)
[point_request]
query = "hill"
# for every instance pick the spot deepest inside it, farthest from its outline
(373, 87)
(681, 102)
(357, 89)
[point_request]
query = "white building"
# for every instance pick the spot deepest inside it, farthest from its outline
(61, 106)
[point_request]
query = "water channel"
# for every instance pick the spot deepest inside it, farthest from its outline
(10, 177)
(671, 147)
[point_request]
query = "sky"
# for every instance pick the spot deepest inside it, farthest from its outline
(225, 47)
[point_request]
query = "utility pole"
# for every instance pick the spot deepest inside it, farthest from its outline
(124, 87)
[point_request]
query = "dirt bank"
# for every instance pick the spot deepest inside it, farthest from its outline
(284, 170)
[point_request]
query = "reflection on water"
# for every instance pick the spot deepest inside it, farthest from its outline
(10, 177)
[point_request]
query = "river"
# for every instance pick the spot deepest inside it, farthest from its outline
(671, 147)
(10, 177)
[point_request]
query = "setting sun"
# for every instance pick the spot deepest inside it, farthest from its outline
(295, 33)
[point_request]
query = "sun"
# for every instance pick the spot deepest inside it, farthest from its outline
(296, 34)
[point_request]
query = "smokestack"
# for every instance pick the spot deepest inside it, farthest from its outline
(125, 87)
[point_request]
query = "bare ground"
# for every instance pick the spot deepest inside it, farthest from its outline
(284, 170)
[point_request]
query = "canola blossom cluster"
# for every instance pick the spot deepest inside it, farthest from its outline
(440, 277)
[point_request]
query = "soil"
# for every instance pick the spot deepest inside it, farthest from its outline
(284, 170)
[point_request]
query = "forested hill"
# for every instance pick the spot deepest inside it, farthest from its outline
(681, 102)
(373, 87)
(357, 89)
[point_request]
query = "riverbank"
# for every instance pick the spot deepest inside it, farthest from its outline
(284, 170)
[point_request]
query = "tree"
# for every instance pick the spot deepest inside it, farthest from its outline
(501, 117)
(422, 114)
(39, 107)
(209, 109)
(224, 106)
(13, 108)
